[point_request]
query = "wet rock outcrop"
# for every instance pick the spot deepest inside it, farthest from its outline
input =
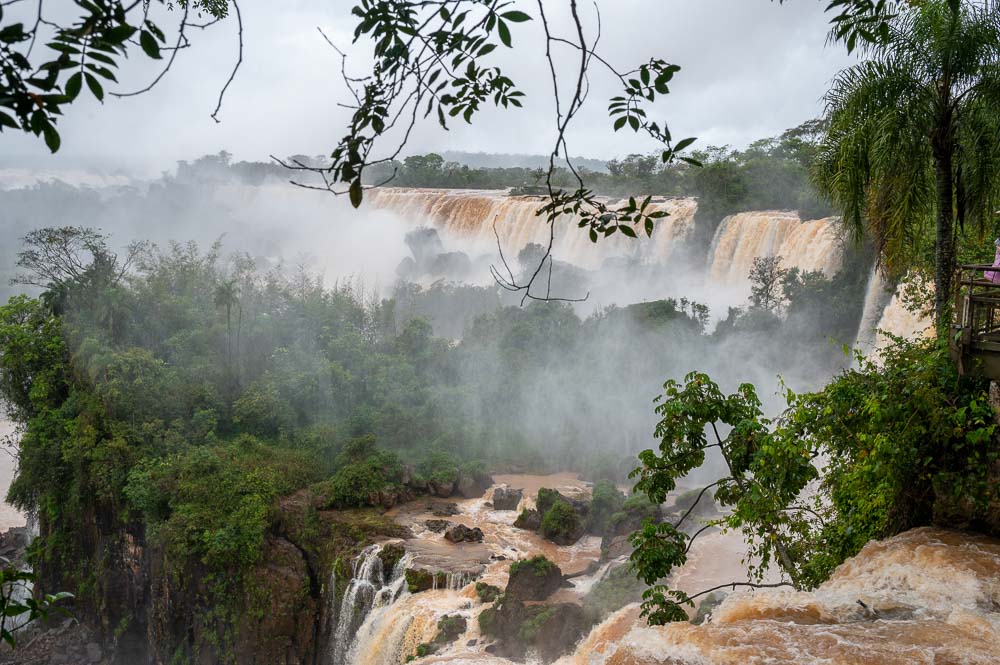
(536, 578)
(557, 517)
(463, 534)
(515, 627)
(506, 498)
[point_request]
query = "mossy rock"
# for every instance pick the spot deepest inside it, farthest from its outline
(487, 593)
(536, 578)
(562, 524)
(556, 630)
(390, 555)
(450, 628)
(707, 606)
(419, 579)
(529, 519)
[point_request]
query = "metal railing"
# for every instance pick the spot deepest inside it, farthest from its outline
(976, 324)
(978, 307)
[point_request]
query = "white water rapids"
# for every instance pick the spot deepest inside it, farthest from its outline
(930, 596)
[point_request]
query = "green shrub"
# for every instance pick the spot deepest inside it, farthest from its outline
(364, 471)
(489, 622)
(560, 521)
(439, 467)
(487, 593)
(530, 627)
(904, 441)
(539, 566)
(606, 501)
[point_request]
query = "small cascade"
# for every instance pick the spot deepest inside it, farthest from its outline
(371, 588)
(455, 581)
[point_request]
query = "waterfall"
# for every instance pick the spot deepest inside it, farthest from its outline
(371, 589)
(897, 319)
(877, 298)
(469, 216)
(740, 238)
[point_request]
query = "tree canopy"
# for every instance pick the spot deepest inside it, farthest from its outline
(914, 134)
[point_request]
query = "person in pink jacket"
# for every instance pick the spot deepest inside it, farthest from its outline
(994, 275)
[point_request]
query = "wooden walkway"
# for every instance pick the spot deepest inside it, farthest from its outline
(975, 337)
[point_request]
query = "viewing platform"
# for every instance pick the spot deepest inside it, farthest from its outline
(975, 336)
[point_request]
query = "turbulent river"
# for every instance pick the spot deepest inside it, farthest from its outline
(929, 596)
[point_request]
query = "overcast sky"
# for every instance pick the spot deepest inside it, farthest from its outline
(751, 68)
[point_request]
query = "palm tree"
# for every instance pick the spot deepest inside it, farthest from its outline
(227, 295)
(914, 133)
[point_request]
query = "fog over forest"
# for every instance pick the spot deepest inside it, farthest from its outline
(378, 333)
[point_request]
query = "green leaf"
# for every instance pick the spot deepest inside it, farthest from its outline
(683, 144)
(504, 33)
(620, 122)
(356, 193)
(7, 121)
(628, 231)
(516, 16)
(94, 85)
(52, 139)
(73, 85)
(148, 43)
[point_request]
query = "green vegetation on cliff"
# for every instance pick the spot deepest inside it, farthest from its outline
(885, 447)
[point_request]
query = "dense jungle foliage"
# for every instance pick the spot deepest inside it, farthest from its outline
(186, 395)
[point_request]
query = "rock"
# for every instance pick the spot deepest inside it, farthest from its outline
(556, 630)
(547, 498)
(636, 511)
(614, 546)
(502, 622)
(473, 485)
(505, 498)
(529, 519)
(562, 524)
(441, 488)
(390, 554)
(463, 534)
(708, 605)
(94, 653)
(443, 509)
(14, 543)
(487, 593)
(536, 578)
(420, 579)
(387, 497)
(437, 526)
(450, 628)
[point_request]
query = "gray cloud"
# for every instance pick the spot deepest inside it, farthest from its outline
(750, 69)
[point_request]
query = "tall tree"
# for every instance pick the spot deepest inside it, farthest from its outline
(914, 134)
